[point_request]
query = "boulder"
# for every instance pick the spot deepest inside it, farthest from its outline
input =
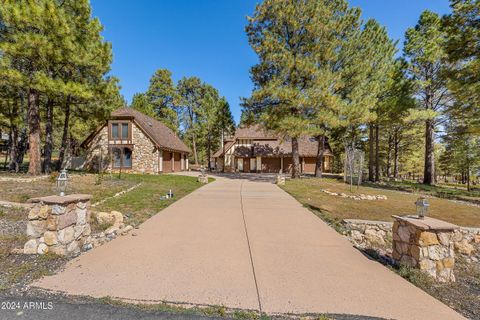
(126, 230)
(58, 249)
(117, 217)
(104, 217)
(464, 247)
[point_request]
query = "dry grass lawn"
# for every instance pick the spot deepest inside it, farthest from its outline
(16, 191)
(308, 191)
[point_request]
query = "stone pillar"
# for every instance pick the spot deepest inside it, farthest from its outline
(59, 225)
(426, 244)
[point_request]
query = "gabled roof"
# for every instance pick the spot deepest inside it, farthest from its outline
(267, 144)
(158, 132)
(254, 131)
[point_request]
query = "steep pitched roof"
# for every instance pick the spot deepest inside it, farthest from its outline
(160, 134)
(254, 131)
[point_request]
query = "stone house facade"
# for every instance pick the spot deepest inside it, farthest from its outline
(254, 149)
(131, 141)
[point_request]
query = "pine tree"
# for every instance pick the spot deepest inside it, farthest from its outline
(140, 102)
(425, 53)
(282, 34)
(163, 98)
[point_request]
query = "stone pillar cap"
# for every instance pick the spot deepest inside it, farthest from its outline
(427, 223)
(62, 200)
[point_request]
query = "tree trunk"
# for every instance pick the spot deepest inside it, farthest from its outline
(209, 153)
(395, 155)
(389, 156)
(47, 150)
(429, 168)
(320, 152)
(194, 147)
(13, 164)
(377, 155)
(371, 164)
(296, 159)
(35, 160)
(66, 125)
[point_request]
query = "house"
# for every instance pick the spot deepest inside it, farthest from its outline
(254, 149)
(134, 142)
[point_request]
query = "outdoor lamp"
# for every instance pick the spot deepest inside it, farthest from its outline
(62, 181)
(422, 207)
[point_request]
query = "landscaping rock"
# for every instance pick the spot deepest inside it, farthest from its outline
(104, 218)
(112, 229)
(42, 248)
(66, 235)
(30, 247)
(50, 238)
(464, 247)
(66, 220)
(117, 217)
(52, 223)
(36, 228)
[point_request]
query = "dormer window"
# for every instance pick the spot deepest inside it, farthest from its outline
(120, 130)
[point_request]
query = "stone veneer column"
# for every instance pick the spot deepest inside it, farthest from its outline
(59, 225)
(426, 244)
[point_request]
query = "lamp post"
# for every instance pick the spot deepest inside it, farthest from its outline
(422, 207)
(62, 181)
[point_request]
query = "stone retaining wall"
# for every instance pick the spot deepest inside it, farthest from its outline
(59, 225)
(378, 235)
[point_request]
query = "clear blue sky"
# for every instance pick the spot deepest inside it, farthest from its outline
(206, 38)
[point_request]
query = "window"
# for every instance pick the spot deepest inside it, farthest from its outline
(121, 157)
(124, 131)
(115, 130)
(120, 131)
(116, 156)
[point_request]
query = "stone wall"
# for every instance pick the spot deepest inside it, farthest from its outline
(369, 234)
(145, 154)
(59, 225)
(426, 244)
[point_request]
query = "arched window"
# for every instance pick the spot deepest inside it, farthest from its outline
(121, 157)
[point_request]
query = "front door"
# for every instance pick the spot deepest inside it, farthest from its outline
(240, 164)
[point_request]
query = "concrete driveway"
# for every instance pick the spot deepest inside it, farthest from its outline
(245, 244)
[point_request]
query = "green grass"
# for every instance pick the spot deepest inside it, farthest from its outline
(333, 209)
(145, 200)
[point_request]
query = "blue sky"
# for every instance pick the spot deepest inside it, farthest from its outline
(206, 38)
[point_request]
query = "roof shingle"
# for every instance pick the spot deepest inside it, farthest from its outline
(160, 134)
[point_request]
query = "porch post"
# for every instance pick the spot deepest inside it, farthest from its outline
(281, 164)
(181, 162)
(303, 164)
(172, 161)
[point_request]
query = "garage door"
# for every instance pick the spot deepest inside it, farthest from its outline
(309, 166)
(167, 161)
(178, 162)
(271, 165)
